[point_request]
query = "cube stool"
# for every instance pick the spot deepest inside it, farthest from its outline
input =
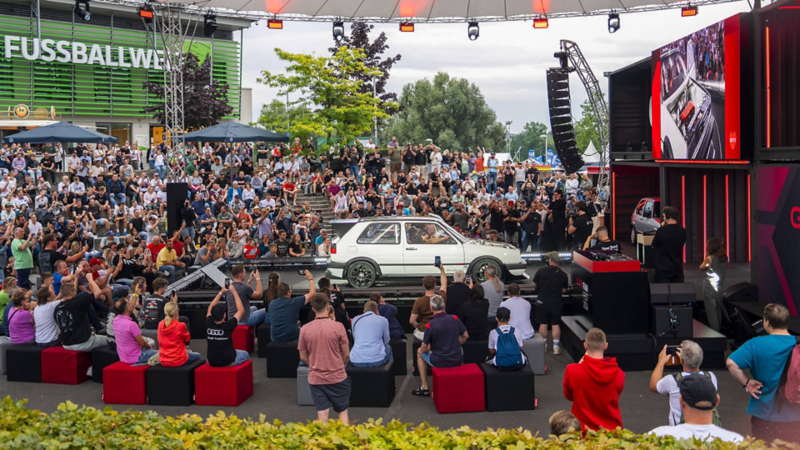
(282, 359)
(102, 357)
(62, 366)
(303, 388)
(414, 347)
(5, 342)
(172, 386)
(534, 349)
(223, 386)
(459, 389)
(24, 363)
(262, 335)
(244, 338)
(124, 384)
(475, 352)
(400, 355)
(371, 387)
(509, 390)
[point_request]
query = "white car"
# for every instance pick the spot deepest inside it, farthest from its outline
(370, 249)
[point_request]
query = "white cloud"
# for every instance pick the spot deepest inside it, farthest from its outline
(507, 62)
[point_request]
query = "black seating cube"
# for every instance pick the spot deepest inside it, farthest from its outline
(475, 352)
(400, 356)
(24, 363)
(509, 390)
(371, 387)
(414, 347)
(102, 357)
(282, 359)
(171, 386)
(263, 338)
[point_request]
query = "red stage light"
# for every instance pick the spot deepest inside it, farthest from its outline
(735, 162)
(275, 24)
(146, 13)
(540, 23)
(407, 27)
(689, 11)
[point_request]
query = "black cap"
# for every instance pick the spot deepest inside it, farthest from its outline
(218, 311)
(697, 388)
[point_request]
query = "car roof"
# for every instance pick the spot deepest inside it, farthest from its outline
(341, 227)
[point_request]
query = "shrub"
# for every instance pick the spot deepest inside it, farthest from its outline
(73, 427)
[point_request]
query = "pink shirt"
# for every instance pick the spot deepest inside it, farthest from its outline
(20, 326)
(125, 332)
(323, 340)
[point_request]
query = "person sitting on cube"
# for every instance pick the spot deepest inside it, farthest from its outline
(505, 343)
(219, 332)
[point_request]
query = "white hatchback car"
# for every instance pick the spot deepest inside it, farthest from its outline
(370, 249)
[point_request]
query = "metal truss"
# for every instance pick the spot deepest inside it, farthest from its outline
(600, 109)
(172, 37)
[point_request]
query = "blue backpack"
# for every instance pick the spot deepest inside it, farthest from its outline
(509, 355)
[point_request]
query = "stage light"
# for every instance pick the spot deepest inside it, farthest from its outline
(146, 13)
(209, 24)
(82, 10)
(540, 23)
(407, 27)
(613, 23)
(473, 31)
(275, 24)
(338, 31)
(689, 11)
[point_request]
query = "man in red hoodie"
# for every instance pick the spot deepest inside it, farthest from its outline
(594, 385)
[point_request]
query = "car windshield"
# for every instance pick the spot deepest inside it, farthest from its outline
(673, 74)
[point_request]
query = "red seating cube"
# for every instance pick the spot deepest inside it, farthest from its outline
(124, 384)
(244, 338)
(459, 389)
(223, 386)
(62, 366)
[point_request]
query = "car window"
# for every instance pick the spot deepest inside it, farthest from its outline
(640, 208)
(429, 233)
(648, 210)
(380, 234)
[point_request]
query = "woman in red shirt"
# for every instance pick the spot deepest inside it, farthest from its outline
(173, 337)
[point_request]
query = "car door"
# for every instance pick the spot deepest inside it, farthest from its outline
(381, 242)
(424, 242)
(637, 214)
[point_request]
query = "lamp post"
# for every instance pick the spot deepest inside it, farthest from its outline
(544, 157)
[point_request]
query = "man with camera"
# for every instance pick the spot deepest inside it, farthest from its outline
(690, 356)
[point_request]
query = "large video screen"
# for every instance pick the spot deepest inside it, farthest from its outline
(695, 95)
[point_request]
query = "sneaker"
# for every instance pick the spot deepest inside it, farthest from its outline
(154, 360)
(89, 372)
(556, 350)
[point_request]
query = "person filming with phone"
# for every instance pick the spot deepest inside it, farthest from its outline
(251, 315)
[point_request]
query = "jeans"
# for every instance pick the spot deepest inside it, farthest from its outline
(35, 174)
(126, 281)
(100, 221)
(170, 272)
(354, 170)
(389, 357)
(529, 239)
(491, 182)
(241, 357)
(193, 356)
(152, 164)
(23, 278)
(162, 171)
(146, 354)
(117, 198)
(519, 186)
(257, 316)
(188, 231)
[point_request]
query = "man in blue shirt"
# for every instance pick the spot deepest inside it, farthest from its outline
(371, 338)
(284, 311)
(198, 204)
(766, 357)
(441, 344)
(389, 312)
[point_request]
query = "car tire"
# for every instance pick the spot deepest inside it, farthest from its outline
(633, 234)
(479, 268)
(667, 151)
(362, 274)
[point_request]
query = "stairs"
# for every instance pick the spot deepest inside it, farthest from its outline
(319, 202)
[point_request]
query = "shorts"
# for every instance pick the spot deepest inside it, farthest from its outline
(548, 315)
(337, 394)
(427, 358)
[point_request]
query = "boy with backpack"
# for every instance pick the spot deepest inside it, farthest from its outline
(505, 344)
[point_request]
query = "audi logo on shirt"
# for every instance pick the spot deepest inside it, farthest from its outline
(213, 332)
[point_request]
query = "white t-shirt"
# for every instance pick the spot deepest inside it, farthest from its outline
(668, 385)
(34, 228)
(520, 316)
(704, 432)
(493, 340)
(46, 329)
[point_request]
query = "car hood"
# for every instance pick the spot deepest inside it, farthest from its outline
(491, 244)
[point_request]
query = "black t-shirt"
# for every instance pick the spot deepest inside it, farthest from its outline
(220, 342)
(559, 209)
(297, 248)
(549, 283)
(137, 223)
(457, 295)
(496, 220)
(48, 260)
(534, 174)
(532, 222)
(610, 245)
(669, 242)
(72, 319)
(283, 248)
(475, 316)
(153, 311)
(511, 226)
(130, 268)
(583, 229)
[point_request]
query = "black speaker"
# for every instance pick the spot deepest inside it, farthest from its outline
(561, 120)
(682, 293)
(659, 293)
(673, 322)
(177, 193)
(741, 292)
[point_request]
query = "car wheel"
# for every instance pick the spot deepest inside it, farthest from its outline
(478, 271)
(633, 234)
(362, 274)
(667, 151)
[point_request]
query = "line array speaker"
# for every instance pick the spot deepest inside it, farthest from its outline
(561, 120)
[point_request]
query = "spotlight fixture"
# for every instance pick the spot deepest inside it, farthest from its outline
(209, 24)
(473, 31)
(82, 10)
(613, 23)
(541, 23)
(689, 11)
(407, 27)
(146, 13)
(338, 31)
(274, 24)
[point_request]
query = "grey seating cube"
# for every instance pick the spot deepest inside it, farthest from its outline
(534, 349)
(5, 342)
(303, 388)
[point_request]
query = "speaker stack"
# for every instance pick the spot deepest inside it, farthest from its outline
(561, 120)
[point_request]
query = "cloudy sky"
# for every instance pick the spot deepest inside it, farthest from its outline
(508, 61)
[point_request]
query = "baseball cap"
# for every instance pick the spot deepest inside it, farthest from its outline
(96, 261)
(218, 311)
(510, 202)
(697, 388)
(109, 233)
(555, 257)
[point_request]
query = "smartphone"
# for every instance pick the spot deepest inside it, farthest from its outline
(672, 350)
(71, 270)
(467, 279)
(437, 262)
(141, 284)
(674, 359)
(227, 283)
(301, 272)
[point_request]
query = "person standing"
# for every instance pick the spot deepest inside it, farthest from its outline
(766, 357)
(23, 258)
(284, 310)
(550, 282)
(324, 348)
(580, 227)
(558, 215)
(691, 357)
(493, 290)
(421, 312)
(669, 242)
(457, 293)
(715, 266)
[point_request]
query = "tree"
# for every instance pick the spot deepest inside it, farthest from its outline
(530, 139)
(586, 128)
(451, 111)
(373, 51)
(331, 89)
(204, 103)
(278, 118)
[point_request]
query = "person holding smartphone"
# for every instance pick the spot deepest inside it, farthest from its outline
(251, 315)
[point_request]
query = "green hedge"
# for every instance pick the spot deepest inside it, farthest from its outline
(73, 427)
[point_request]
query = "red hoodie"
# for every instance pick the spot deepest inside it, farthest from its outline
(172, 341)
(594, 386)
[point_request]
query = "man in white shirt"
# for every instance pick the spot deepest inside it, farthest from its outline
(520, 312)
(690, 355)
(76, 187)
(34, 227)
(73, 162)
(698, 397)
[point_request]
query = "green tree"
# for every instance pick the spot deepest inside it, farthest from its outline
(450, 111)
(586, 128)
(278, 118)
(531, 139)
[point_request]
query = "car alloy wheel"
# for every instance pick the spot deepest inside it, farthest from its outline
(479, 270)
(361, 274)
